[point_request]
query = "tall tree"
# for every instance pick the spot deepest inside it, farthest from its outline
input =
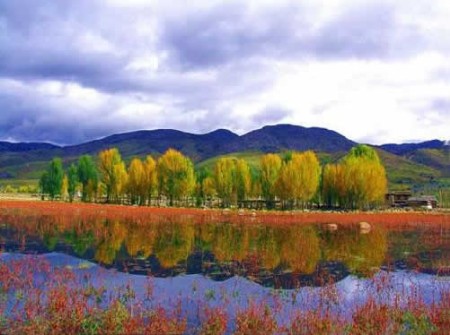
(176, 175)
(88, 177)
(358, 181)
(242, 180)
(72, 181)
(64, 188)
(270, 169)
(308, 170)
(136, 182)
(51, 181)
(150, 179)
(110, 164)
(224, 172)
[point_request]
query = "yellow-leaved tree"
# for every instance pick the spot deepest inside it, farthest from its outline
(270, 169)
(359, 181)
(136, 181)
(224, 172)
(176, 175)
(242, 179)
(150, 179)
(113, 173)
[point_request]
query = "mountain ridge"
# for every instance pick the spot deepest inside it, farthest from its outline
(27, 160)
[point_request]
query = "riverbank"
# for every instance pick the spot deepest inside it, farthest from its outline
(110, 211)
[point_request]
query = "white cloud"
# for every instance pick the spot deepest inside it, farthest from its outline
(372, 70)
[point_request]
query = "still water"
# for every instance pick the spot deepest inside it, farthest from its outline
(281, 257)
(228, 264)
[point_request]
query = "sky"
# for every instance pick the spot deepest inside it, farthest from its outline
(375, 71)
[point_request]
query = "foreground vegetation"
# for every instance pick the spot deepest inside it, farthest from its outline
(59, 301)
(295, 180)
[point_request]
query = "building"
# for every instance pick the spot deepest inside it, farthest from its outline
(423, 201)
(398, 198)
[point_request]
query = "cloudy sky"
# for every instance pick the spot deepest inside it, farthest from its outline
(375, 71)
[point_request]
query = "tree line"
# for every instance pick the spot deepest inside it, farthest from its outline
(291, 180)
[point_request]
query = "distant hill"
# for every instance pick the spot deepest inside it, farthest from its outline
(406, 164)
(407, 148)
(434, 154)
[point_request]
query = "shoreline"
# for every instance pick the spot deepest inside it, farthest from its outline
(108, 211)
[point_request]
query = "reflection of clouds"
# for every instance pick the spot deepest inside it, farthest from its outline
(235, 293)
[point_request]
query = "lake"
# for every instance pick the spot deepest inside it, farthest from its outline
(228, 264)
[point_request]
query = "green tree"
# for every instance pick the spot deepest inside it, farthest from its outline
(72, 179)
(88, 177)
(52, 179)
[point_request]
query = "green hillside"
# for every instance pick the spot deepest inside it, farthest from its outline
(435, 158)
(403, 173)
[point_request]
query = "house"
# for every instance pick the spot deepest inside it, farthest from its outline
(423, 201)
(398, 198)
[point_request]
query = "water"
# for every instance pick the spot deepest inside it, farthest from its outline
(274, 256)
(228, 264)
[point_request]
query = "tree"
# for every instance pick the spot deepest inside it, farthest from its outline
(224, 172)
(121, 181)
(52, 179)
(110, 165)
(359, 181)
(64, 188)
(308, 170)
(242, 180)
(176, 175)
(285, 185)
(270, 169)
(136, 183)
(72, 181)
(150, 179)
(88, 177)
(332, 181)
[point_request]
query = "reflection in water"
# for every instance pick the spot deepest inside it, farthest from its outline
(281, 256)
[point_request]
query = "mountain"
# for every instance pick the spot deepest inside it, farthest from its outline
(407, 148)
(221, 141)
(434, 154)
(289, 137)
(406, 164)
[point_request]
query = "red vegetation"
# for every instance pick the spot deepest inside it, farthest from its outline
(214, 215)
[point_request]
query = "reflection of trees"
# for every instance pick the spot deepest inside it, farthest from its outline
(111, 239)
(231, 242)
(361, 253)
(140, 239)
(300, 249)
(268, 247)
(174, 243)
(80, 241)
